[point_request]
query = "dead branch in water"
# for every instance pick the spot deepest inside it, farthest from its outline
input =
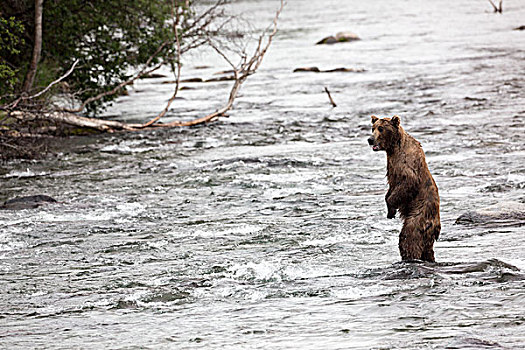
(13, 104)
(74, 120)
(497, 9)
(330, 97)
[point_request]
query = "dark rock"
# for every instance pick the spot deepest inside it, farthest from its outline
(126, 304)
(307, 69)
(223, 72)
(27, 202)
(520, 28)
(334, 70)
(341, 37)
(344, 69)
(153, 76)
(192, 80)
(501, 214)
(226, 78)
(328, 40)
(166, 296)
(36, 198)
(488, 265)
(20, 206)
(477, 99)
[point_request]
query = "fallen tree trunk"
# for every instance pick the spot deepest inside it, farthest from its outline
(106, 125)
(75, 120)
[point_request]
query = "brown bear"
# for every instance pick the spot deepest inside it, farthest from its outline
(412, 190)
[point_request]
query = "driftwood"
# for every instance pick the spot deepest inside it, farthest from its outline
(330, 97)
(75, 120)
(497, 9)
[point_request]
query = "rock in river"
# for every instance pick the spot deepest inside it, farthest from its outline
(341, 37)
(333, 70)
(27, 202)
(307, 69)
(501, 214)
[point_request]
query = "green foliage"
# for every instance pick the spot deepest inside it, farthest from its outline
(109, 37)
(11, 31)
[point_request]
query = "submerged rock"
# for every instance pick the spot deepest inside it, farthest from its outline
(225, 78)
(328, 40)
(153, 76)
(307, 69)
(333, 70)
(27, 202)
(341, 37)
(508, 213)
(487, 265)
(225, 72)
(344, 69)
(200, 80)
(192, 80)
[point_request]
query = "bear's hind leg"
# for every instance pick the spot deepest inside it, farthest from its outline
(429, 235)
(410, 241)
(428, 254)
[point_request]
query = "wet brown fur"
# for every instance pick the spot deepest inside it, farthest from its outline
(412, 190)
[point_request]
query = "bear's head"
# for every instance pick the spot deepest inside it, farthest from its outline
(386, 133)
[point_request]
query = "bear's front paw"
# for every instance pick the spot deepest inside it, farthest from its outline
(391, 213)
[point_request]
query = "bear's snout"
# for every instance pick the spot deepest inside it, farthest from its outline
(372, 142)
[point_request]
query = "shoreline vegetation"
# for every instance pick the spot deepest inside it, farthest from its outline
(59, 89)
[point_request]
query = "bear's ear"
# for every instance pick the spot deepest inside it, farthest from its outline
(395, 121)
(374, 119)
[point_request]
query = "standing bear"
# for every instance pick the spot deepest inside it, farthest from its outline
(412, 190)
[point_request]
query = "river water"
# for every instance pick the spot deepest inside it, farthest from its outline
(268, 229)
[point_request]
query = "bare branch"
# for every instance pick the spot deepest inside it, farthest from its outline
(241, 73)
(497, 9)
(54, 82)
(176, 17)
(330, 97)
